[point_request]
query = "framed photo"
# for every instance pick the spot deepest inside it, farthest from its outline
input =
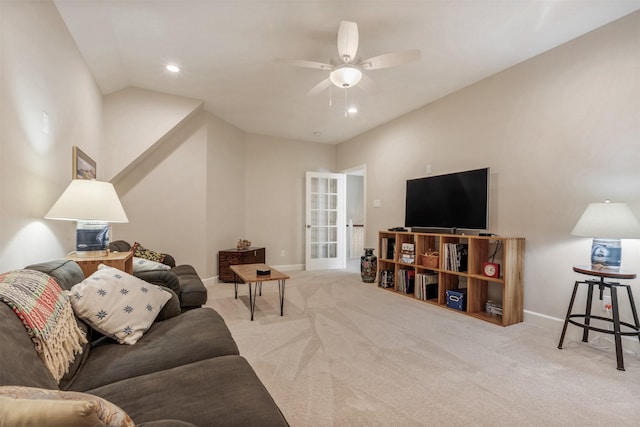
(84, 167)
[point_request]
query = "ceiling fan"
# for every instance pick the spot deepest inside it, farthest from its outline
(346, 69)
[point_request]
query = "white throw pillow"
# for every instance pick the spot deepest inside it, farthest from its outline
(141, 264)
(117, 304)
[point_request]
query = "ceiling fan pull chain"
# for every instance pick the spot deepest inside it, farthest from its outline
(345, 102)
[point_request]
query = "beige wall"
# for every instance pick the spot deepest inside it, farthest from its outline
(558, 131)
(42, 70)
(225, 189)
(166, 204)
(136, 121)
(157, 153)
(275, 191)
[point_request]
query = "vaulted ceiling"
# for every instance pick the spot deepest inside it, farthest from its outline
(226, 51)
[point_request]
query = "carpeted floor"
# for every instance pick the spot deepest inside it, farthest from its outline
(347, 353)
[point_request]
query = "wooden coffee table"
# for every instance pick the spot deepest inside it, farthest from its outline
(248, 273)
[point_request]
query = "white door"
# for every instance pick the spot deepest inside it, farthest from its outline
(325, 221)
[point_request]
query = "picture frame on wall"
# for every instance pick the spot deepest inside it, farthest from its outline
(83, 166)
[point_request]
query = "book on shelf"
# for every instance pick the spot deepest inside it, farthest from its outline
(408, 253)
(406, 281)
(426, 286)
(456, 256)
(386, 279)
(387, 247)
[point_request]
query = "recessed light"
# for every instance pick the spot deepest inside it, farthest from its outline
(352, 110)
(317, 133)
(173, 68)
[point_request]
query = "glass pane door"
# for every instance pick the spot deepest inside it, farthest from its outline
(325, 221)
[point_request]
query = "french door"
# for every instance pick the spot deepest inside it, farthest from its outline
(325, 221)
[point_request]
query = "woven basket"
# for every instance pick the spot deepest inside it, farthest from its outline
(430, 259)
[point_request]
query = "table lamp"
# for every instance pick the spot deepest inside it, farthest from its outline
(93, 204)
(607, 223)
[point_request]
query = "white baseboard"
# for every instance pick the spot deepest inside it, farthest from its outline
(574, 333)
(210, 280)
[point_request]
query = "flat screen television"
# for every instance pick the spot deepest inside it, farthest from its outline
(454, 201)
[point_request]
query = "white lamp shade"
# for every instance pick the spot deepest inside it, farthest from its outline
(88, 200)
(608, 220)
(345, 77)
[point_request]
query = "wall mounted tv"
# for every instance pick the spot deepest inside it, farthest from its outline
(454, 201)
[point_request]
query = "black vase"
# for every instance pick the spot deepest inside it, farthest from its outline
(368, 266)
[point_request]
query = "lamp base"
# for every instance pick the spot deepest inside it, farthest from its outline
(606, 254)
(92, 238)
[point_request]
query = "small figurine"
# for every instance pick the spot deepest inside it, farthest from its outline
(243, 244)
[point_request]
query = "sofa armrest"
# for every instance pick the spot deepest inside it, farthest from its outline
(171, 308)
(65, 272)
(119, 246)
(164, 278)
(169, 260)
(170, 282)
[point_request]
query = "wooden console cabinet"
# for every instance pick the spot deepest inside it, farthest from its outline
(483, 293)
(230, 257)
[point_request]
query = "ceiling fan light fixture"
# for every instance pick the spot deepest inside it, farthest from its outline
(345, 77)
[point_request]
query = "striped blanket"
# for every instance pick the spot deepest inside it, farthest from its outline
(46, 313)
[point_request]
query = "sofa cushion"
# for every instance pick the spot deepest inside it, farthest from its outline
(42, 407)
(193, 292)
(222, 390)
(118, 304)
(80, 357)
(140, 251)
(190, 337)
(19, 361)
(141, 264)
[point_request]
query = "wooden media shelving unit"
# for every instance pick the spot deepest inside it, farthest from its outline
(507, 290)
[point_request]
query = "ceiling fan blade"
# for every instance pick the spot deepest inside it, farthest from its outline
(319, 87)
(388, 60)
(348, 41)
(304, 63)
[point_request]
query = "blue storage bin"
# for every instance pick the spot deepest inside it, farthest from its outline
(457, 299)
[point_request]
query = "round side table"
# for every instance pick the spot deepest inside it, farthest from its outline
(587, 316)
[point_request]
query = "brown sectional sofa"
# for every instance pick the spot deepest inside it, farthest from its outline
(185, 370)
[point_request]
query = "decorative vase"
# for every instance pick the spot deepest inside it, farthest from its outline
(368, 266)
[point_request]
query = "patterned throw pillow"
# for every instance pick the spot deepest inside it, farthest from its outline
(141, 252)
(117, 304)
(49, 406)
(141, 264)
